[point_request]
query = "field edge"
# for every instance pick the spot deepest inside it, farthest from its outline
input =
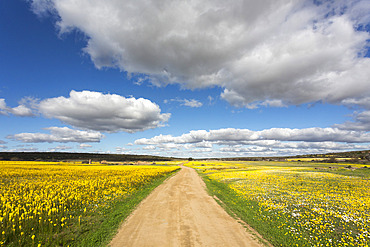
(116, 215)
(227, 202)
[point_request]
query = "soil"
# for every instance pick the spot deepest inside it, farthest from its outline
(181, 213)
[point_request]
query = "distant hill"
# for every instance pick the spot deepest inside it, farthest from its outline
(353, 156)
(60, 156)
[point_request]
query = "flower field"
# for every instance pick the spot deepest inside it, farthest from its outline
(50, 204)
(296, 204)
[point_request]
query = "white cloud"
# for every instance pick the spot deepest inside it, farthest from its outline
(262, 53)
(257, 104)
(288, 149)
(3, 107)
(192, 103)
(315, 135)
(22, 110)
(149, 148)
(121, 150)
(298, 146)
(84, 145)
(231, 135)
(252, 149)
(363, 102)
(59, 134)
(361, 118)
(186, 102)
(104, 112)
(59, 148)
(269, 142)
(361, 122)
(26, 149)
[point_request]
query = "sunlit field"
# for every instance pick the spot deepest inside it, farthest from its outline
(170, 163)
(296, 204)
(53, 204)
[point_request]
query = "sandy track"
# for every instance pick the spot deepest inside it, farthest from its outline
(181, 213)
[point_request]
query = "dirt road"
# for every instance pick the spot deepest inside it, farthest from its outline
(181, 213)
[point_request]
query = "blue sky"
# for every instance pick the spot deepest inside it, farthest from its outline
(185, 79)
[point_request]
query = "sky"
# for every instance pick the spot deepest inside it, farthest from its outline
(200, 78)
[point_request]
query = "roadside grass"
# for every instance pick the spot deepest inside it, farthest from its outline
(294, 204)
(248, 211)
(70, 205)
(100, 228)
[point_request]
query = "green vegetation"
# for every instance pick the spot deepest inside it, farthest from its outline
(100, 228)
(358, 157)
(60, 156)
(295, 203)
(44, 204)
(246, 210)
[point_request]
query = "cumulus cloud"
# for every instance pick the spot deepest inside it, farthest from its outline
(361, 122)
(231, 135)
(361, 117)
(288, 149)
(58, 134)
(149, 148)
(268, 142)
(84, 145)
(22, 110)
(104, 112)
(262, 53)
(192, 103)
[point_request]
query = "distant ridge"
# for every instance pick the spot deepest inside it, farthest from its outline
(355, 156)
(59, 156)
